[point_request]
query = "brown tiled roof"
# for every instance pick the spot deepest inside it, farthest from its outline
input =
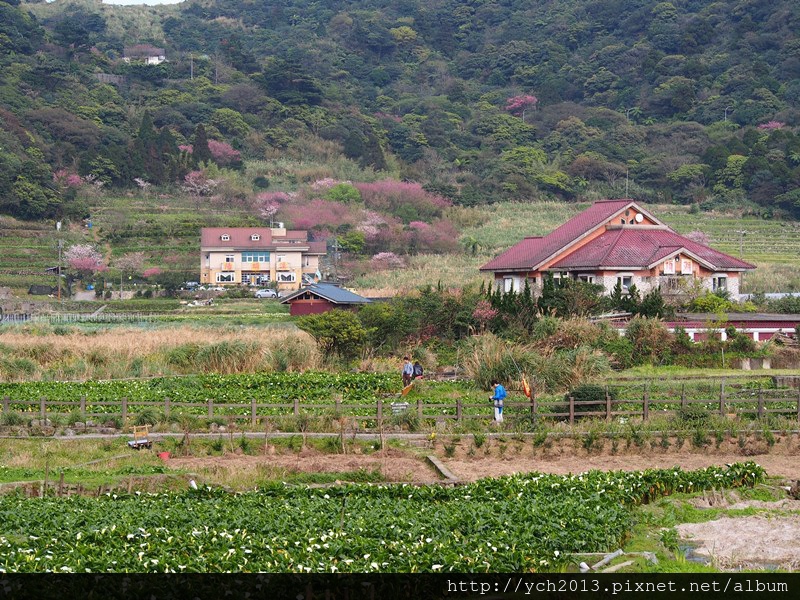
(211, 237)
(531, 252)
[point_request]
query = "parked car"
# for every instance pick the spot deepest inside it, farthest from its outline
(266, 293)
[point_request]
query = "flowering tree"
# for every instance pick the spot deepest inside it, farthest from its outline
(67, 179)
(405, 199)
(129, 264)
(386, 260)
(484, 313)
(771, 126)
(84, 259)
(197, 184)
(223, 153)
(267, 204)
(517, 105)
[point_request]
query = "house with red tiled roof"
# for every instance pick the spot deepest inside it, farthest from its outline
(258, 256)
(617, 241)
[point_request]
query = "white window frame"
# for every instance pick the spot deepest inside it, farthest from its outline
(687, 268)
(621, 277)
(225, 237)
(586, 277)
(255, 237)
(226, 277)
(258, 256)
(508, 285)
(286, 277)
(669, 267)
(230, 258)
(716, 280)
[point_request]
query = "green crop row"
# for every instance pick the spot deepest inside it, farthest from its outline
(265, 387)
(520, 523)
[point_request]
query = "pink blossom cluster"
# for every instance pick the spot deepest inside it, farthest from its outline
(771, 125)
(223, 153)
(320, 215)
(371, 225)
(387, 260)
(67, 179)
(84, 259)
(516, 104)
(390, 195)
(198, 184)
(151, 272)
(484, 312)
(325, 184)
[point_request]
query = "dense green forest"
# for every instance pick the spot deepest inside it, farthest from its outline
(690, 101)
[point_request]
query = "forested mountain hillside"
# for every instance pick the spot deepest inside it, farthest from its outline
(478, 100)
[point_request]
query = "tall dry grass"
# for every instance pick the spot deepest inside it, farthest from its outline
(123, 352)
(491, 358)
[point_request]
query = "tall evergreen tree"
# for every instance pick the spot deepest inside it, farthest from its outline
(200, 150)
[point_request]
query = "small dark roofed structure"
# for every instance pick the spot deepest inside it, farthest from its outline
(322, 297)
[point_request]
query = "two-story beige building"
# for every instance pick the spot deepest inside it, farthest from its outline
(258, 256)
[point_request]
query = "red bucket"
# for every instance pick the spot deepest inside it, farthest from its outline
(163, 455)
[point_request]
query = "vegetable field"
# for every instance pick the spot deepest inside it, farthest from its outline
(520, 523)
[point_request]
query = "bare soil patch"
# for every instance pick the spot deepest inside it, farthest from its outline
(394, 465)
(756, 542)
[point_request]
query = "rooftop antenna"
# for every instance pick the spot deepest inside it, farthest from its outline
(626, 183)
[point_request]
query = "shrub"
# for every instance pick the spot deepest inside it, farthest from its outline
(650, 339)
(147, 416)
(693, 414)
(12, 418)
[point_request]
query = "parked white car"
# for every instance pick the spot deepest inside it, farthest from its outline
(266, 293)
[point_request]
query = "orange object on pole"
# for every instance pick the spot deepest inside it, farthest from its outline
(526, 389)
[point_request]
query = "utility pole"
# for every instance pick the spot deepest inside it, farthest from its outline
(727, 108)
(191, 67)
(741, 233)
(58, 266)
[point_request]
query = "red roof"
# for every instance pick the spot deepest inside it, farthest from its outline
(629, 247)
(531, 252)
(240, 238)
(640, 248)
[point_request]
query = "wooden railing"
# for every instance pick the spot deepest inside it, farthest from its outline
(758, 403)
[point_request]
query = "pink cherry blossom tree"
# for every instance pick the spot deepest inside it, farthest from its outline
(84, 259)
(517, 105)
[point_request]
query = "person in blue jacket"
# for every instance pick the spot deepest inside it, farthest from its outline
(497, 400)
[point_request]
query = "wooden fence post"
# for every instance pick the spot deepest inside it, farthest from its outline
(166, 406)
(683, 396)
(42, 407)
(253, 411)
(338, 405)
(572, 410)
(83, 407)
(380, 411)
(5, 404)
(210, 408)
(533, 407)
(458, 410)
(608, 405)
(124, 410)
(760, 402)
(419, 408)
(722, 398)
(296, 408)
(646, 404)
(798, 405)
